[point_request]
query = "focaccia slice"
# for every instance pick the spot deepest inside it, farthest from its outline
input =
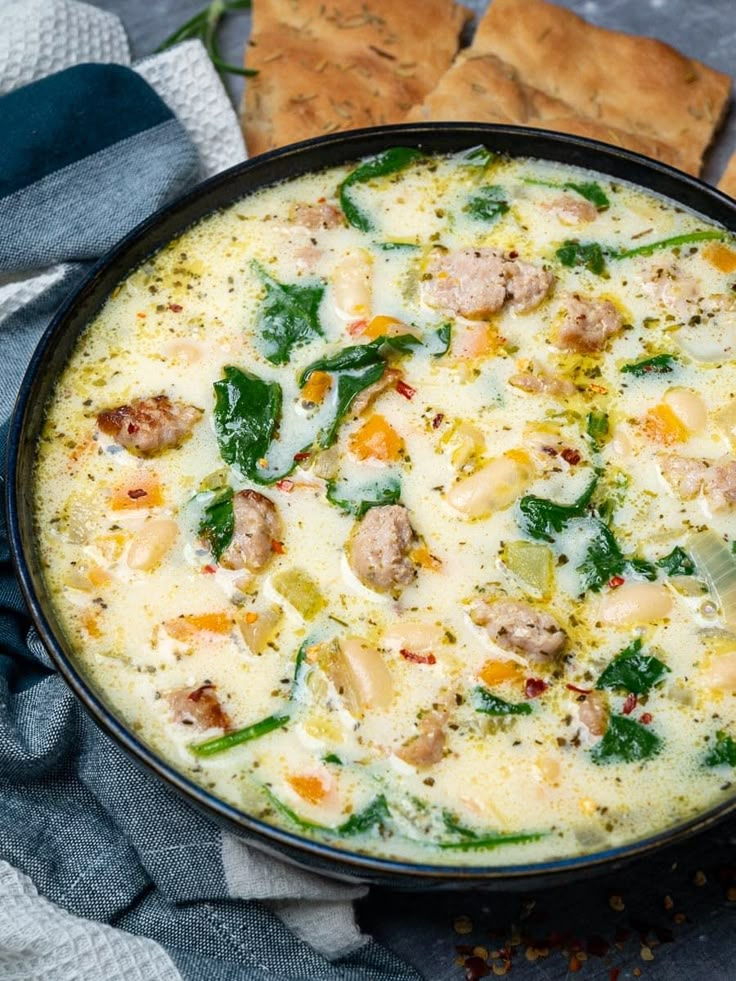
(328, 66)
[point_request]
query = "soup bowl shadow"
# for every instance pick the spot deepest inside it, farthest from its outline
(54, 351)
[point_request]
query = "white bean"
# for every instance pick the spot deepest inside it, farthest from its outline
(352, 286)
(494, 487)
(636, 602)
(688, 407)
(151, 543)
(414, 635)
(721, 672)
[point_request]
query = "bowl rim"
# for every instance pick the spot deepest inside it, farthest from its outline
(350, 146)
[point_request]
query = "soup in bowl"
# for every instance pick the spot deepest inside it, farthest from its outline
(392, 504)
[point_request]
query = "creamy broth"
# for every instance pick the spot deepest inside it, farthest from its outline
(485, 611)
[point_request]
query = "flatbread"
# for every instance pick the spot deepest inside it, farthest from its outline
(342, 64)
(482, 88)
(643, 93)
(727, 183)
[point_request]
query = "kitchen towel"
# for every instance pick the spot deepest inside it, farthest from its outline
(105, 873)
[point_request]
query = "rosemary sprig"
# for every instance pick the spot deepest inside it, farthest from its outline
(204, 26)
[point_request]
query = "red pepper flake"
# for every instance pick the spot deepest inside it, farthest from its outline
(176, 307)
(629, 704)
(287, 486)
(535, 687)
(142, 315)
(301, 457)
(209, 569)
(438, 420)
(580, 691)
(137, 493)
(406, 390)
(475, 968)
(357, 327)
(646, 718)
(417, 658)
(513, 254)
(615, 581)
(133, 428)
(571, 456)
(277, 547)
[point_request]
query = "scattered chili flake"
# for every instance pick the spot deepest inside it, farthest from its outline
(277, 547)
(137, 493)
(142, 315)
(406, 390)
(133, 428)
(462, 924)
(571, 456)
(301, 457)
(209, 569)
(476, 967)
(286, 485)
(438, 420)
(615, 581)
(418, 658)
(176, 307)
(513, 254)
(629, 704)
(357, 327)
(580, 691)
(645, 718)
(534, 687)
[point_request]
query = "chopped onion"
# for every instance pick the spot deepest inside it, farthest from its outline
(716, 564)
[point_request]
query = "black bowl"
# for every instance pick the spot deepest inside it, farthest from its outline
(59, 340)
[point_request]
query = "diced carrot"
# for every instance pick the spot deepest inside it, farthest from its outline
(310, 788)
(385, 327)
(187, 626)
(139, 491)
(317, 386)
(424, 558)
(377, 440)
(477, 341)
(495, 672)
(91, 624)
(251, 617)
(662, 425)
(720, 256)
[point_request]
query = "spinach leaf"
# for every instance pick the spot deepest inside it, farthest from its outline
(247, 413)
(301, 667)
(633, 671)
(488, 841)
(389, 162)
(332, 758)
(217, 523)
(597, 428)
(490, 704)
(588, 254)
(591, 192)
(487, 204)
(604, 560)
(626, 741)
(452, 824)
(374, 495)
(660, 364)
(677, 563)
(705, 235)
(541, 517)
(355, 368)
(288, 316)
(444, 337)
(221, 743)
(375, 813)
(724, 751)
